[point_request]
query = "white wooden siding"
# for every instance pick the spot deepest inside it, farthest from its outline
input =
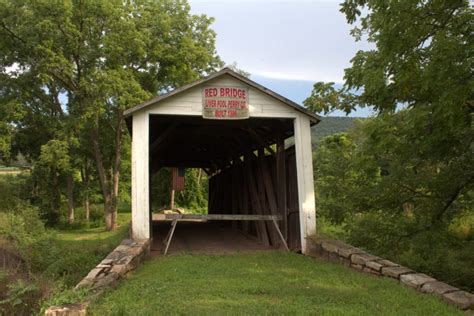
(189, 102)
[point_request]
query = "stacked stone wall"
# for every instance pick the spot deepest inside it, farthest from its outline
(362, 261)
(126, 257)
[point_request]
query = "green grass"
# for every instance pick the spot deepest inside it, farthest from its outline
(71, 253)
(96, 234)
(260, 283)
(76, 251)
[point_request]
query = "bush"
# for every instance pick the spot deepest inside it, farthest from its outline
(61, 295)
(445, 254)
(19, 297)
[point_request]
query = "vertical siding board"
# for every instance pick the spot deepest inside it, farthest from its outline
(304, 170)
(140, 177)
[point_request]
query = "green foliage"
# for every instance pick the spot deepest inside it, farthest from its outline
(63, 295)
(325, 98)
(403, 180)
(48, 258)
(341, 187)
(20, 224)
(367, 184)
(240, 71)
(14, 189)
(70, 254)
(260, 283)
(19, 298)
(332, 125)
(194, 195)
(72, 68)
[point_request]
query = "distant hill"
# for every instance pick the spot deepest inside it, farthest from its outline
(331, 125)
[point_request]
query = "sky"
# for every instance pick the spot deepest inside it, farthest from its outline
(286, 45)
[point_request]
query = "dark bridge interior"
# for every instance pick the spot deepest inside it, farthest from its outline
(250, 170)
(194, 142)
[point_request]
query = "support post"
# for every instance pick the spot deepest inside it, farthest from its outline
(140, 177)
(304, 171)
(172, 200)
(281, 185)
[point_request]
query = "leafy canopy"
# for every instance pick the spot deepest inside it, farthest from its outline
(402, 179)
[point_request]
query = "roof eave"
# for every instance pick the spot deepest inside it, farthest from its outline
(314, 118)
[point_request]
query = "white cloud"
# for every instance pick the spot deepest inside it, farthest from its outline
(297, 40)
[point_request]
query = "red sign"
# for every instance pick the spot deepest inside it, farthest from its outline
(177, 179)
(228, 103)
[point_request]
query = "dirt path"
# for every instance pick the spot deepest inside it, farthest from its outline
(202, 237)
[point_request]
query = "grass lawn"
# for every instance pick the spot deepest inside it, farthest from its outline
(72, 253)
(75, 251)
(260, 283)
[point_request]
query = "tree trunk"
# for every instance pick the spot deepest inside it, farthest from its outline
(86, 180)
(110, 187)
(70, 198)
(56, 200)
(104, 183)
(87, 207)
(116, 167)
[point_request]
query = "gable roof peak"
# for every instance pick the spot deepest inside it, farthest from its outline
(226, 70)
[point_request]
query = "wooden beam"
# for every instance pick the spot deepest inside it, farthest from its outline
(281, 184)
(260, 140)
(216, 217)
(265, 199)
(157, 142)
(255, 200)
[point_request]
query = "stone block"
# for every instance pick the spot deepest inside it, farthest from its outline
(114, 255)
(104, 266)
(107, 280)
(346, 252)
(107, 261)
(362, 258)
(93, 273)
(437, 287)
(314, 249)
(333, 256)
(395, 272)
(120, 269)
(135, 251)
(127, 242)
(371, 271)
(330, 246)
(357, 266)
(317, 241)
(125, 260)
(344, 261)
(461, 299)
(416, 280)
(122, 248)
(374, 265)
(84, 283)
(387, 263)
(67, 310)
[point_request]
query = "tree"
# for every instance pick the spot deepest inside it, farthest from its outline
(239, 70)
(422, 64)
(54, 168)
(95, 59)
(413, 162)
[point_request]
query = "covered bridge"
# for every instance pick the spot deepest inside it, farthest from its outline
(235, 130)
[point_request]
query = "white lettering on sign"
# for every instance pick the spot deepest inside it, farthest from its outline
(229, 103)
